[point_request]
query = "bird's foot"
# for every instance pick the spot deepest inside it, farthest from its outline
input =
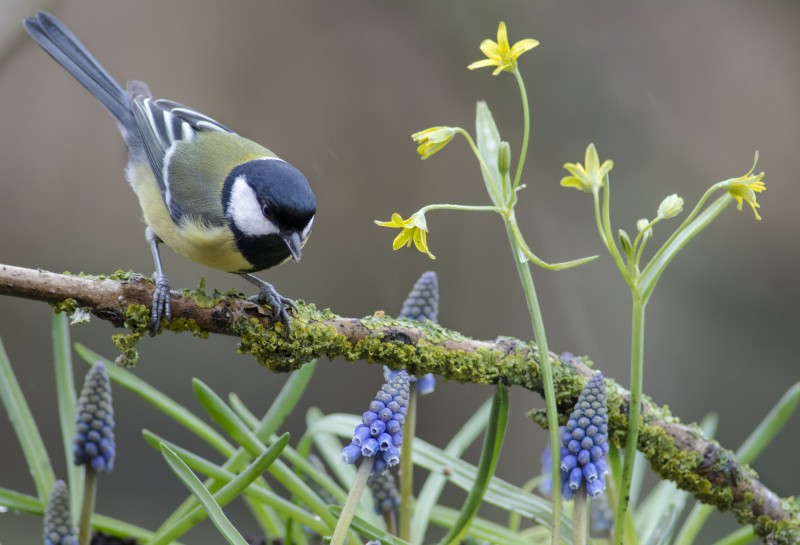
(268, 295)
(161, 303)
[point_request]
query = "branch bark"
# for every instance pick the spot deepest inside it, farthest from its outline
(676, 451)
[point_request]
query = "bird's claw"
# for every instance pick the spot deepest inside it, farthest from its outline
(162, 307)
(277, 302)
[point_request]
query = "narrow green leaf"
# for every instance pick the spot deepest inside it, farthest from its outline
(224, 495)
(28, 504)
(254, 491)
(65, 394)
(241, 410)
(655, 268)
(231, 423)
(225, 417)
(480, 529)
(490, 454)
(500, 493)
(122, 529)
(160, 401)
(434, 484)
(742, 536)
(770, 426)
(25, 427)
(185, 418)
(286, 400)
(658, 515)
(755, 443)
(330, 449)
(17, 501)
(214, 511)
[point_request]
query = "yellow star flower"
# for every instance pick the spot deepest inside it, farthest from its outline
(587, 178)
(745, 188)
(414, 229)
(500, 54)
(432, 140)
(742, 191)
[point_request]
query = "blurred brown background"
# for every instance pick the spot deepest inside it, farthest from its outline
(679, 95)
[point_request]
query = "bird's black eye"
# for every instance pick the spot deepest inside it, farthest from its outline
(265, 210)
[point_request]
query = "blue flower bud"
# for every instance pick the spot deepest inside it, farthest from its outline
(380, 435)
(385, 441)
(589, 472)
(575, 478)
(379, 466)
(394, 427)
(58, 528)
(351, 453)
(421, 304)
(391, 456)
(370, 448)
(384, 493)
(377, 427)
(361, 434)
(93, 444)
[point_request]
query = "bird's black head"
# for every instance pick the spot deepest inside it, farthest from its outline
(270, 207)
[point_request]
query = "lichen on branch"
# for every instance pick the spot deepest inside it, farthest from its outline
(676, 451)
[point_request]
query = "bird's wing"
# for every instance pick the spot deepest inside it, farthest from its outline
(163, 125)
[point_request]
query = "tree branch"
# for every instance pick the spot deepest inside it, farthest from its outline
(676, 451)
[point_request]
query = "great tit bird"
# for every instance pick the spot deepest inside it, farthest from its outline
(209, 194)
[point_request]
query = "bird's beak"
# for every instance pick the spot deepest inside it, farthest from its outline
(292, 240)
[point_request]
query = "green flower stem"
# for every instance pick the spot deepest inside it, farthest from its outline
(613, 488)
(634, 413)
(351, 504)
(579, 509)
(461, 207)
(547, 377)
(523, 246)
(487, 173)
(526, 116)
(87, 507)
(610, 241)
(696, 210)
(681, 237)
(638, 244)
(407, 465)
(598, 216)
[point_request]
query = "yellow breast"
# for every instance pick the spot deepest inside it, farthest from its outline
(208, 245)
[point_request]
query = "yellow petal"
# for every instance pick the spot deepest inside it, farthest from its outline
(421, 242)
(522, 46)
(502, 36)
(402, 239)
(501, 67)
(490, 49)
(481, 64)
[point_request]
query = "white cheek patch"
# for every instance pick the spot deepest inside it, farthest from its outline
(244, 210)
(307, 230)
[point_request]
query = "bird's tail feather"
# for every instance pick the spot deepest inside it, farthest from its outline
(61, 44)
